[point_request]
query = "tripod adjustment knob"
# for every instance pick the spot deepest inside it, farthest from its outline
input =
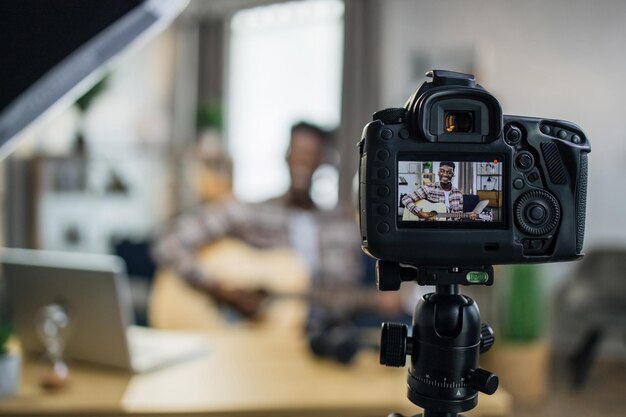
(393, 344)
(483, 381)
(487, 337)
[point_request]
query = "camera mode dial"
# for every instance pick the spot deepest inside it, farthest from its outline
(537, 213)
(391, 115)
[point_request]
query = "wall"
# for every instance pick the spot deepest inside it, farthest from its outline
(128, 133)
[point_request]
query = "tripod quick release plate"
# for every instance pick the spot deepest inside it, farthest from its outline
(389, 275)
(460, 275)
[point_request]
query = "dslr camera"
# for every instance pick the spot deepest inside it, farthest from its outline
(449, 180)
(448, 188)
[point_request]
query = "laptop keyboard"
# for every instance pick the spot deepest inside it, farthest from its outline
(152, 348)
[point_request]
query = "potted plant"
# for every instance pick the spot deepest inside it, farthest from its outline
(521, 355)
(10, 364)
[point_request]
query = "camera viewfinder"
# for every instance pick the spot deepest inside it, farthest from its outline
(459, 121)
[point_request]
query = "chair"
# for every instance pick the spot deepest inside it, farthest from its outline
(469, 202)
(140, 268)
(590, 306)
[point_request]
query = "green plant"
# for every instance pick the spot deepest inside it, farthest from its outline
(209, 115)
(86, 99)
(524, 304)
(5, 333)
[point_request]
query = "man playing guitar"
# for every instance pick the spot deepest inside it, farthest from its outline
(440, 192)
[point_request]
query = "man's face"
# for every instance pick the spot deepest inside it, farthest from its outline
(303, 159)
(446, 173)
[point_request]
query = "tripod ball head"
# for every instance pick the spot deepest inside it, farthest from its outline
(444, 347)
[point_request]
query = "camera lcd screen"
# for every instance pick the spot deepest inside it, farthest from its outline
(454, 193)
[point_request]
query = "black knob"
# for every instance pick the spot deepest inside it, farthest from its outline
(483, 381)
(393, 344)
(487, 337)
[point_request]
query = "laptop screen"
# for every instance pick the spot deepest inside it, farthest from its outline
(92, 289)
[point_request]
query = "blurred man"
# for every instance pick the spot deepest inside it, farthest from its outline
(327, 241)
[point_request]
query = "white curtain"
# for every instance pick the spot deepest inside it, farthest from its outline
(465, 176)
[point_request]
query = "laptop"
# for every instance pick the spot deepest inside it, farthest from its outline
(94, 291)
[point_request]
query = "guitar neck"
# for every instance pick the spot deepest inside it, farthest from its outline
(453, 215)
(438, 210)
(346, 299)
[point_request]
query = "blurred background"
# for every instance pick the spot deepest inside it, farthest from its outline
(220, 88)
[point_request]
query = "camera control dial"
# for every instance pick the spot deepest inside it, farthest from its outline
(537, 213)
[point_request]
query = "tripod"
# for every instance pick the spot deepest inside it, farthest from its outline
(444, 378)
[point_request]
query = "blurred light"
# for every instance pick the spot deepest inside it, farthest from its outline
(286, 14)
(284, 66)
(324, 190)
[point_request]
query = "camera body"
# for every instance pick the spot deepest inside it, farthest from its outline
(448, 180)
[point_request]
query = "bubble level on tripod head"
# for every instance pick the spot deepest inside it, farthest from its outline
(477, 277)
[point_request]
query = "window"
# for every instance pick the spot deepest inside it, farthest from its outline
(285, 65)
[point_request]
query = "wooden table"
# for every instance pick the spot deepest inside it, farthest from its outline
(246, 373)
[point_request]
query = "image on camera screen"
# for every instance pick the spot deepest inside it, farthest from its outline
(455, 192)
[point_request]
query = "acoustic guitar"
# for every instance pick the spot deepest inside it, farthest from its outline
(439, 211)
(176, 305)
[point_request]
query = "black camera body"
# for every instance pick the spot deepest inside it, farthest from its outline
(448, 180)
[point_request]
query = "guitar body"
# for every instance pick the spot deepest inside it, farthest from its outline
(176, 305)
(426, 206)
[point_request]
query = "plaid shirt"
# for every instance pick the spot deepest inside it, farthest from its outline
(434, 194)
(334, 235)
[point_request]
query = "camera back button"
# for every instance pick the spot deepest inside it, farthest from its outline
(533, 176)
(383, 228)
(382, 155)
(386, 134)
(382, 173)
(524, 161)
(382, 191)
(382, 209)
